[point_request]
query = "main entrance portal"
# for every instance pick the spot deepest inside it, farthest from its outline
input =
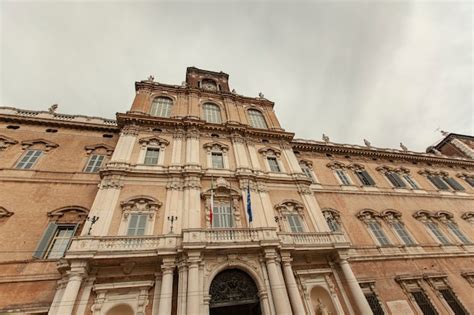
(233, 292)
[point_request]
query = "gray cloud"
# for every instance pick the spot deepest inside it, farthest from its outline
(385, 71)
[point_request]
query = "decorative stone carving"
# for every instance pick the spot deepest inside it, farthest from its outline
(260, 95)
(403, 147)
(111, 182)
(367, 143)
(81, 212)
(4, 213)
(336, 165)
(269, 151)
(468, 216)
(91, 148)
(233, 285)
(151, 78)
(153, 140)
(52, 109)
(47, 144)
(326, 138)
(175, 184)
(5, 142)
(127, 267)
(140, 204)
(367, 215)
(218, 146)
(288, 206)
(192, 183)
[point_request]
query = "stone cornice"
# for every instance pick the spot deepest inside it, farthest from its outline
(20, 116)
(334, 148)
(180, 89)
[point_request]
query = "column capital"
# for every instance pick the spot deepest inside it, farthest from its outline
(286, 258)
(270, 255)
(194, 258)
(168, 265)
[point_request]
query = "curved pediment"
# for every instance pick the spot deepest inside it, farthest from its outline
(216, 145)
(289, 205)
(270, 150)
(141, 203)
(367, 213)
(80, 211)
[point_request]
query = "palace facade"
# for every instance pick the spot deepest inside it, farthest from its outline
(113, 217)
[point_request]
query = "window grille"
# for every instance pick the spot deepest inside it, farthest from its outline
(374, 303)
(212, 113)
(94, 163)
(161, 107)
(151, 156)
(423, 303)
(29, 159)
(453, 302)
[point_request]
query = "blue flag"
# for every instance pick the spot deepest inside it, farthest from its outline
(249, 204)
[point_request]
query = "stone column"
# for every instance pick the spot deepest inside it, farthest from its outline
(280, 297)
(61, 285)
(166, 293)
(193, 282)
(156, 294)
(192, 147)
(182, 287)
(294, 293)
(177, 147)
(294, 166)
(84, 299)
(123, 149)
(75, 276)
(359, 297)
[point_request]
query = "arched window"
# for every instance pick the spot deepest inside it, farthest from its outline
(212, 113)
(333, 220)
(371, 219)
(256, 119)
(161, 107)
(292, 212)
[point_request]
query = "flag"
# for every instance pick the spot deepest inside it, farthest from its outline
(212, 200)
(249, 204)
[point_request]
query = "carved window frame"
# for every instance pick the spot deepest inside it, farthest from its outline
(294, 208)
(6, 142)
(217, 147)
(308, 165)
(371, 218)
(335, 217)
(212, 113)
(339, 171)
(223, 194)
(163, 109)
(368, 288)
(4, 213)
(94, 150)
(440, 282)
(400, 172)
(392, 217)
(356, 168)
(442, 176)
(271, 152)
(446, 218)
(262, 121)
(42, 145)
(141, 205)
(152, 142)
(412, 284)
(468, 216)
(427, 218)
(468, 178)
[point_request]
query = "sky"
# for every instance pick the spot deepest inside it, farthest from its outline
(387, 71)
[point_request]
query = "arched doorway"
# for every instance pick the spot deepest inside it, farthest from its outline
(233, 292)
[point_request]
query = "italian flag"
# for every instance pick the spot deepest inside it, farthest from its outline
(212, 200)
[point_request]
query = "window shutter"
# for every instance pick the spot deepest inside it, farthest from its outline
(453, 183)
(368, 177)
(45, 240)
(436, 180)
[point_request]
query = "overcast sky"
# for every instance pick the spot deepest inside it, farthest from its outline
(388, 71)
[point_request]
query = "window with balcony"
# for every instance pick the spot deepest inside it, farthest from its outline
(161, 107)
(370, 218)
(256, 119)
(64, 223)
(227, 204)
(138, 215)
(222, 216)
(212, 113)
(292, 211)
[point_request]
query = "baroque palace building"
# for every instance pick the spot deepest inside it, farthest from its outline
(113, 217)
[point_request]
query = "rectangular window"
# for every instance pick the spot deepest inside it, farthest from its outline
(453, 183)
(273, 163)
(470, 181)
(94, 163)
(295, 223)
(222, 216)
(438, 182)
(343, 177)
(453, 302)
(364, 178)
(378, 233)
(137, 224)
(29, 159)
(410, 181)
(55, 241)
(217, 160)
(402, 233)
(151, 156)
(423, 303)
(333, 224)
(395, 179)
(436, 231)
(456, 231)
(372, 299)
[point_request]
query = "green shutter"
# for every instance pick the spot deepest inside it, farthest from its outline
(45, 240)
